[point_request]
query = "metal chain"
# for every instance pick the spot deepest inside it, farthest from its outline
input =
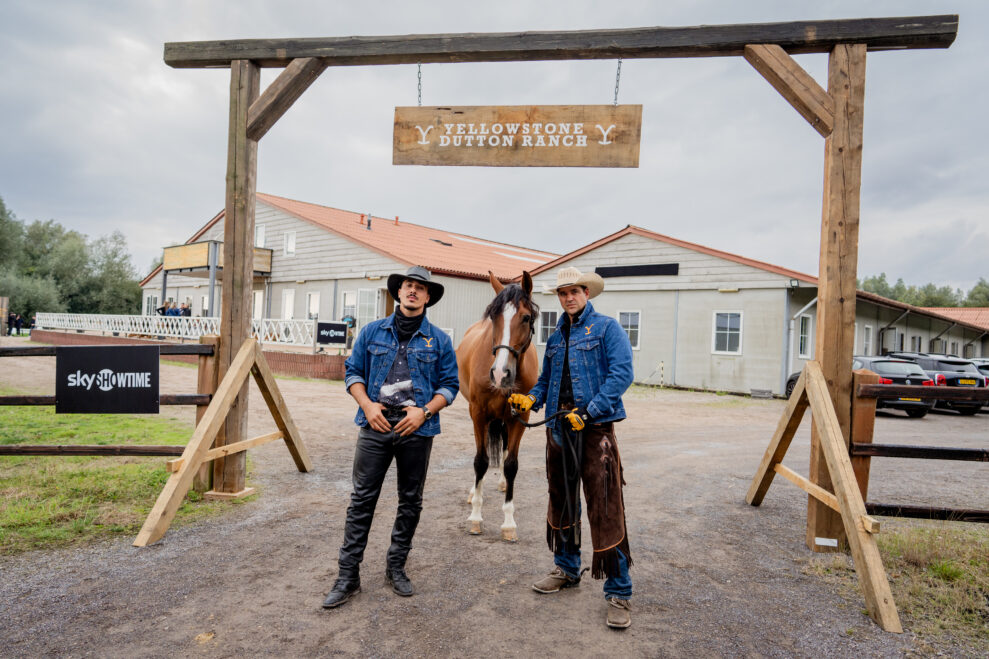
(618, 77)
(420, 84)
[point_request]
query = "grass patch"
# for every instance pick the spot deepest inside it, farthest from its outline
(58, 501)
(939, 575)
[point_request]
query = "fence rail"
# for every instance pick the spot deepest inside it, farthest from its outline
(266, 330)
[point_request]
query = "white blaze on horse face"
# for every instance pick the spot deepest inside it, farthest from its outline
(498, 371)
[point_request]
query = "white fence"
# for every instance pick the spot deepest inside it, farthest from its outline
(267, 330)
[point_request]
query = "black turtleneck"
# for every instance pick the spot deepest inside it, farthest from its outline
(406, 326)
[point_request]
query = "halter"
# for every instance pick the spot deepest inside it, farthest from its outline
(517, 352)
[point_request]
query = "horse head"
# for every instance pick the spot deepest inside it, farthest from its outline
(513, 319)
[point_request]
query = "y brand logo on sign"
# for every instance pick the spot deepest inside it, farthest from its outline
(519, 136)
(122, 379)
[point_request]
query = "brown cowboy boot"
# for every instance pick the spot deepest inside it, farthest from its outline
(619, 613)
(554, 581)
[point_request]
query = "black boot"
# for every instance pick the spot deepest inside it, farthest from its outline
(345, 588)
(399, 581)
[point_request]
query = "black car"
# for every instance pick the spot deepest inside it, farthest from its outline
(891, 371)
(949, 371)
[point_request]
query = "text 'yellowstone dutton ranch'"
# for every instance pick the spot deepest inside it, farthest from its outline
(519, 136)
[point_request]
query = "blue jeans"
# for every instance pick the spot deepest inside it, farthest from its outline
(620, 586)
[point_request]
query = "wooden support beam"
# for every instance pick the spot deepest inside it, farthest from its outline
(281, 94)
(794, 84)
(778, 445)
(649, 42)
(238, 264)
(819, 493)
(926, 512)
(869, 524)
(95, 449)
(178, 483)
(865, 553)
(207, 378)
(894, 391)
(863, 424)
(279, 411)
(163, 399)
(228, 449)
(922, 452)
(49, 351)
(838, 269)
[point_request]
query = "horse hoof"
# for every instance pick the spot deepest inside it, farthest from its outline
(502, 487)
(475, 528)
(509, 535)
(470, 499)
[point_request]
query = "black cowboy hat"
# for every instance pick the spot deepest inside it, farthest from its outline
(416, 273)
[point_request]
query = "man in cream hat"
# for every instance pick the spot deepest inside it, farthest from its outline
(586, 369)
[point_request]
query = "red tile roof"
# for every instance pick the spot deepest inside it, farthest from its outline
(442, 252)
(972, 315)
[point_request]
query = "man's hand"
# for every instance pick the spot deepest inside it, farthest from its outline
(375, 418)
(577, 417)
(414, 418)
(521, 402)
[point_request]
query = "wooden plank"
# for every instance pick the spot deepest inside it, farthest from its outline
(262, 260)
(794, 84)
(281, 94)
(178, 483)
(279, 411)
(862, 427)
(869, 525)
(163, 349)
(207, 377)
(89, 449)
(647, 42)
(836, 291)
(865, 553)
(229, 449)
(894, 391)
(518, 135)
(193, 255)
(780, 442)
(819, 493)
(925, 512)
(922, 452)
(163, 399)
(238, 269)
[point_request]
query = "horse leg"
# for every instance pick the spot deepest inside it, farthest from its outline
(476, 497)
(509, 530)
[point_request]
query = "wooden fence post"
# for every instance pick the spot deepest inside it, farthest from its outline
(863, 424)
(206, 384)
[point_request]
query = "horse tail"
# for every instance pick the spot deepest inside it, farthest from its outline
(497, 442)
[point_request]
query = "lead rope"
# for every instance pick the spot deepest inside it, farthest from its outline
(573, 442)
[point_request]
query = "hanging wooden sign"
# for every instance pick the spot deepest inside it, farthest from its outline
(519, 136)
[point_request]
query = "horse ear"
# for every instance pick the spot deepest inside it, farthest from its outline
(526, 282)
(495, 284)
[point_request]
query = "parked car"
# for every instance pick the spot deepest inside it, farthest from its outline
(890, 371)
(949, 371)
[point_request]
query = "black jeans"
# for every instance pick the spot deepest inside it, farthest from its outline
(372, 458)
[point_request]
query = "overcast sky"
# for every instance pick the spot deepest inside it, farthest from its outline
(99, 134)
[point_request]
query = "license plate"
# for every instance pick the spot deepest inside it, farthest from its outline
(966, 382)
(914, 400)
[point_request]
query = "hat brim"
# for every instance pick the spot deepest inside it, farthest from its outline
(592, 281)
(395, 282)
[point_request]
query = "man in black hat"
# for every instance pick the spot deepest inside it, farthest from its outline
(402, 372)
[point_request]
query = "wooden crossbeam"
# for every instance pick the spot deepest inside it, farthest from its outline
(779, 444)
(699, 41)
(163, 349)
(928, 512)
(794, 84)
(228, 449)
(816, 491)
(89, 449)
(163, 399)
(923, 452)
(281, 94)
(894, 391)
(279, 411)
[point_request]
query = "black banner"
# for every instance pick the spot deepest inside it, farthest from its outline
(331, 333)
(106, 379)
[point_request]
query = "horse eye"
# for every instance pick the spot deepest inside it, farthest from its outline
(526, 318)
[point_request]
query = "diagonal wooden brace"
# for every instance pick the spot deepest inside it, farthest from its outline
(794, 84)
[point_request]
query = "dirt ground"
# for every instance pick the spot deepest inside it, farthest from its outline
(712, 575)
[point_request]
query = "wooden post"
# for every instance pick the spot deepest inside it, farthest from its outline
(838, 270)
(863, 423)
(238, 265)
(206, 384)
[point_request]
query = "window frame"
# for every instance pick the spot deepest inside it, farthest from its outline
(310, 296)
(867, 339)
(638, 326)
(288, 293)
(807, 352)
(259, 232)
(552, 327)
(288, 239)
(714, 332)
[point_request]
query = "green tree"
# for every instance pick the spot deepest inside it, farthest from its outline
(876, 284)
(114, 288)
(30, 295)
(11, 237)
(979, 295)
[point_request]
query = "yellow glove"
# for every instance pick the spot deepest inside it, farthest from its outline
(521, 402)
(576, 418)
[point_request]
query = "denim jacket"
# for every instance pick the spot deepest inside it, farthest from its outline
(600, 368)
(432, 364)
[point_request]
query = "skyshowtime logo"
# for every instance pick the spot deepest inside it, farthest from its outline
(107, 380)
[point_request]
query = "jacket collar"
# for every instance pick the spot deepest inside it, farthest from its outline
(588, 310)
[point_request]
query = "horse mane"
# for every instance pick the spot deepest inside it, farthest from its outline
(512, 293)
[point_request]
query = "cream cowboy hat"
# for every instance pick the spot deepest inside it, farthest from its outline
(573, 277)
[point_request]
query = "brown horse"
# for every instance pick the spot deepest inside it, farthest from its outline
(494, 361)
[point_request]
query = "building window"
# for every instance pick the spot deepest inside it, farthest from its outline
(629, 320)
(151, 305)
(312, 305)
(547, 325)
(288, 304)
(257, 305)
(367, 306)
(954, 348)
(937, 345)
(259, 235)
(349, 305)
(804, 341)
(916, 343)
(288, 243)
(899, 341)
(204, 306)
(727, 338)
(867, 341)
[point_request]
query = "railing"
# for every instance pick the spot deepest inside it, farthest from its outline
(266, 330)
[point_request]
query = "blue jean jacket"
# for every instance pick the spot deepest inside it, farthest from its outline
(432, 364)
(600, 368)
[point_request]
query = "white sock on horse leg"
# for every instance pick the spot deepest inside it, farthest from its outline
(509, 509)
(475, 509)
